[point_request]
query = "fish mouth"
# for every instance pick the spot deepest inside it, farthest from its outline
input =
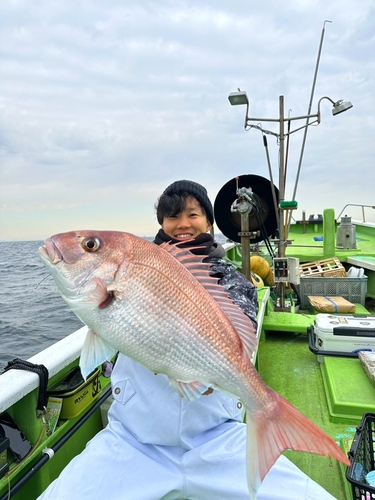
(50, 253)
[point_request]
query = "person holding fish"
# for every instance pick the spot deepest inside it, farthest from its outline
(185, 324)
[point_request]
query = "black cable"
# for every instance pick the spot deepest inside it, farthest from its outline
(258, 209)
(264, 234)
(295, 290)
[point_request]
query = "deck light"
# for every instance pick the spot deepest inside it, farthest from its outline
(236, 98)
(341, 106)
(338, 106)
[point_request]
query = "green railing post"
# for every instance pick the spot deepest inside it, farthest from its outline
(329, 233)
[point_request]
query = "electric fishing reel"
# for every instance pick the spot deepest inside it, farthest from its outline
(262, 198)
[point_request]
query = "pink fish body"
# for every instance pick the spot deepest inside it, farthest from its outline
(159, 306)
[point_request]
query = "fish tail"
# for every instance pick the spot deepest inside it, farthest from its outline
(268, 435)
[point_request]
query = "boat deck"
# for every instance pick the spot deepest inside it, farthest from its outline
(308, 245)
(286, 364)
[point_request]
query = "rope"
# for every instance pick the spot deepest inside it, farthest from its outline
(41, 371)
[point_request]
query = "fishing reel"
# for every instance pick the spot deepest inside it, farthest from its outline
(251, 195)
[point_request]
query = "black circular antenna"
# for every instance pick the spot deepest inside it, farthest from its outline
(262, 218)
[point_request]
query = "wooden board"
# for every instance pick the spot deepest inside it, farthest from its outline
(325, 268)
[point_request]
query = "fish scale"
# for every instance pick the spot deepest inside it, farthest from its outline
(159, 306)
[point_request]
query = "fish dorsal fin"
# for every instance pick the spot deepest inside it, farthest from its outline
(201, 271)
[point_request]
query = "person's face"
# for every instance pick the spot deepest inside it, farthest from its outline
(188, 224)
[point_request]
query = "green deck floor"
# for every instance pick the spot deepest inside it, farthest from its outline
(307, 249)
(286, 364)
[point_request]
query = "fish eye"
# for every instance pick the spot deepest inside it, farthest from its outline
(91, 244)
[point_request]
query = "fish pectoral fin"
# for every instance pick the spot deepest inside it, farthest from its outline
(94, 352)
(99, 295)
(189, 390)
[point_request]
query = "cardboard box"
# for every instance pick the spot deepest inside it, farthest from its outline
(331, 304)
(352, 289)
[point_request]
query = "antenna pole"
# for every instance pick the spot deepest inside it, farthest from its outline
(309, 111)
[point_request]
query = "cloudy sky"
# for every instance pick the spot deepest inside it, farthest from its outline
(103, 104)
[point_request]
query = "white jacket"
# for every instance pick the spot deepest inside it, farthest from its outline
(149, 406)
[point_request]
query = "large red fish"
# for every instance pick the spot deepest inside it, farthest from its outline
(159, 306)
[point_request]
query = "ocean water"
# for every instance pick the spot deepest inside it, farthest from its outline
(33, 316)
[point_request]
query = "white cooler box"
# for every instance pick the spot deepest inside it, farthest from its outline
(342, 334)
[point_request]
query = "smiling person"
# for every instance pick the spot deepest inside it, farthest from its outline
(158, 446)
(184, 211)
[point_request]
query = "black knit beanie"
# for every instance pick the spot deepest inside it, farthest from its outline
(194, 189)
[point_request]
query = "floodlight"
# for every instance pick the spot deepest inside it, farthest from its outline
(236, 98)
(341, 106)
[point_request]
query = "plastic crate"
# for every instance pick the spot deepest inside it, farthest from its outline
(352, 289)
(361, 457)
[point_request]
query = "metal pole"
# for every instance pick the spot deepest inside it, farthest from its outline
(309, 110)
(245, 246)
(281, 247)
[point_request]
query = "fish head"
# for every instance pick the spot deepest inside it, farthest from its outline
(84, 264)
